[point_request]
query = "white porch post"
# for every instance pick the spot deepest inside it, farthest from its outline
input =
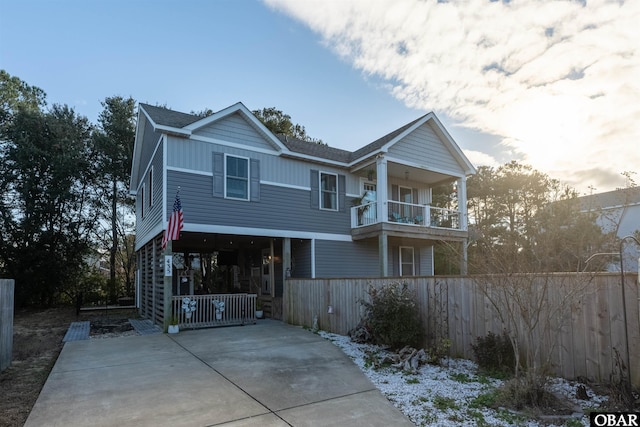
(383, 250)
(381, 189)
(462, 203)
(382, 213)
(464, 221)
(168, 284)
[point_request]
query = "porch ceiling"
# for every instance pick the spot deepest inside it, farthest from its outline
(401, 171)
(208, 242)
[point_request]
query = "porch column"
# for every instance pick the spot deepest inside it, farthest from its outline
(464, 260)
(464, 221)
(383, 250)
(381, 189)
(286, 258)
(313, 258)
(462, 203)
(168, 285)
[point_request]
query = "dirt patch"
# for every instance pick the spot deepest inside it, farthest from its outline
(37, 342)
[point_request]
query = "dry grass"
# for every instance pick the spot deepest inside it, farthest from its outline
(37, 342)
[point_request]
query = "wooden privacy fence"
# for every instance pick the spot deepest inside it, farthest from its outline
(205, 311)
(6, 322)
(576, 322)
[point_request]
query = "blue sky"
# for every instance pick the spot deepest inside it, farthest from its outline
(508, 82)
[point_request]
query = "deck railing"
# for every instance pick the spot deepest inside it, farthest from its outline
(205, 311)
(406, 213)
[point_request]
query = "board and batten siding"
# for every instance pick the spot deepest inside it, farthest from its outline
(149, 145)
(197, 156)
(424, 144)
(236, 129)
(279, 208)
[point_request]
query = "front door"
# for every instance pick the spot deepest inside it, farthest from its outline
(370, 196)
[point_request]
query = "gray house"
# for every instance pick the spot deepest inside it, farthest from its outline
(618, 212)
(259, 207)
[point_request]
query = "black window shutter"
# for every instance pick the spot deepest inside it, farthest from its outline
(255, 180)
(218, 174)
(342, 189)
(315, 189)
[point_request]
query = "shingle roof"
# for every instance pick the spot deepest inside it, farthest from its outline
(610, 199)
(313, 149)
(166, 117)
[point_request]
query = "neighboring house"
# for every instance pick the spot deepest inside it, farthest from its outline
(618, 213)
(271, 207)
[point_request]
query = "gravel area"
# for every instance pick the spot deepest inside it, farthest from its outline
(451, 394)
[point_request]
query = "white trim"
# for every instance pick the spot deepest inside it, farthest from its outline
(191, 171)
(222, 143)
(272, 183)
(150, 205)
(316, 160)
(172, 130)
(163, 220)
(248, 159)
(337, 193)
(279, 184)
(142, 201)
(265, 232)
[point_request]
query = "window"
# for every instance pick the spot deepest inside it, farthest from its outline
(142, 201)
(237, 177)
(328, 191)
(407, 265)
(150, 187)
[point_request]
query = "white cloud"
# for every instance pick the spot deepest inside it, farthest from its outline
(557, 81)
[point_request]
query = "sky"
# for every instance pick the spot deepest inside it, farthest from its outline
(553, 84)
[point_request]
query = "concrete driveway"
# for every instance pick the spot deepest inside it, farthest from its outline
(268, 374)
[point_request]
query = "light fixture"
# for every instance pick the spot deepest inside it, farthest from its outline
(406, 174)
(330, 309)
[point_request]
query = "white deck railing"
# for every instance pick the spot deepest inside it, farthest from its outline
(406, 213)
(205, 311)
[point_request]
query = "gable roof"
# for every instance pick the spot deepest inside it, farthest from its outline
(611, 199)
(316, 150)
(164, 119)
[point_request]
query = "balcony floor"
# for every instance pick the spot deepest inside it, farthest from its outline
(395, 229)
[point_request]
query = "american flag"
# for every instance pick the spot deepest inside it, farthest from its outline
(176, 222)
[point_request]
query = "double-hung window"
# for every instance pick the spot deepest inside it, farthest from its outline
(328, 191)
(236, 177)
(407, 261)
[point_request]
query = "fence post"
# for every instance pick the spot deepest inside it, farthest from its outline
(6, 322)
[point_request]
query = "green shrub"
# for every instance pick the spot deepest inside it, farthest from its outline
(392, 316)
(494, 353)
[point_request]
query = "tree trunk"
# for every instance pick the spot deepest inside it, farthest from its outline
(114, 243)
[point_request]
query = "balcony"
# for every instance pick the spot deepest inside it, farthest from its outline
(403, 218)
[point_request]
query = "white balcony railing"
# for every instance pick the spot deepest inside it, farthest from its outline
(406, 213)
